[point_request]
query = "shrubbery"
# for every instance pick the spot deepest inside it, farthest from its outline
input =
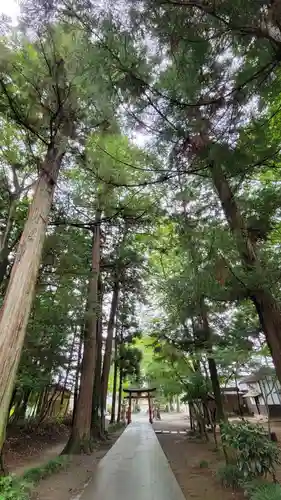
(255, 454)
(13, 488)
(230, 476)
(264, 491)
(16, 488)
(254, 459)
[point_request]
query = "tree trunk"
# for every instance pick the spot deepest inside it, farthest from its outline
(211, 363)
(80, 439)
(69, 364)
(4, 240)
(114, 391)
(97, 431)
(19, 295)
(77, 374)
(23, 406)
(40, 401)
(108, 346)
(267, 307)
(120, 390)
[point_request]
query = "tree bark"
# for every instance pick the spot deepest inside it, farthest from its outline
(23, 406)
(212, 363)
(267, 307)
(120, 390)
(114, 391)
(80, 439)
(108, 346)
(96, 418)
(4, 240)
(15, 311)
(77, 374)
(69, 364)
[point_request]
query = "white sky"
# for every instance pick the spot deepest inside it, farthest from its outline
(10, 8)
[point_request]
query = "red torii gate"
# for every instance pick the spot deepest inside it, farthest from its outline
(139, 394)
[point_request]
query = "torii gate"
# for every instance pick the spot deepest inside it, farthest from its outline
(139, 394)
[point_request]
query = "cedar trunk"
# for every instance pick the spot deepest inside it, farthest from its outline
(15, 311)
(114, 391)
(120, 391)
(267, 307)
(96, 420)
(77, 374)
(212, 364)
(69, 366)
(80, 439)
(108, 346)
(4, 241)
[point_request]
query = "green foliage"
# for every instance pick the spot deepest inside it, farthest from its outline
(13, 488)
(163, 367)
(196, 387)
(94, 70)
(267, 491)
(204, 464)
(250, 487)
(35, 474)
(117, 426)
(256, 454)
(129, 359)
(230, 476)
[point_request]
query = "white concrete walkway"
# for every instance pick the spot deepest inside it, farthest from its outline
(135, 468)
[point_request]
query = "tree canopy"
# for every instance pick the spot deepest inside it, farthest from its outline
(139, 198)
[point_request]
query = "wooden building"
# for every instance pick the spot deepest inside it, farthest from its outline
(263, 393)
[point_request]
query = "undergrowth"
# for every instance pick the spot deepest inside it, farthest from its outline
(115, 427)
(230, 476)
(263, 491)
(19, 488)
(37, 473)
(13, 488)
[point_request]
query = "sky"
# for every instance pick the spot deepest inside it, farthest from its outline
(10, 8)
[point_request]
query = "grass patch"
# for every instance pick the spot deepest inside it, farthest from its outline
(19, 488)
(37, 473)
(204, 464)
(266, 491)
(117, 426)
(230, 476)
(14, 488)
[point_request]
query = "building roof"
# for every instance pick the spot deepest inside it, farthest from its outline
(252, 394)
(232, 390)
(262, 373)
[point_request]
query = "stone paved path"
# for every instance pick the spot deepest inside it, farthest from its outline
(135, 468)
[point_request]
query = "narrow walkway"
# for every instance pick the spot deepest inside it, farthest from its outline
(135, 468)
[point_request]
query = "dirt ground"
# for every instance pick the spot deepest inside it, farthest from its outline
(185, 456)
(68, 484)
(30, 446)
(194, 463)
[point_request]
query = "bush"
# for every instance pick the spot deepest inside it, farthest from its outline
(12, 488)
(230, 476)
(256, 455)
(37, 473)
(116, 427)
(251, 486)
(204, 464)
(270, 491)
